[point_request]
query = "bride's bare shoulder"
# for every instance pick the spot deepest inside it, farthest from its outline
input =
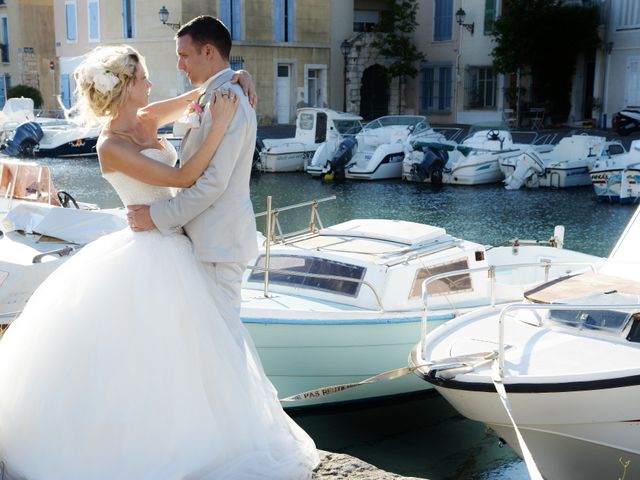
(110, 147)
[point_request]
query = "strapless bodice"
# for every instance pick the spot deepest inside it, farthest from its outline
(135, 192)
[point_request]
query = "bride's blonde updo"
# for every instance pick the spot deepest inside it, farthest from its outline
(102, 82)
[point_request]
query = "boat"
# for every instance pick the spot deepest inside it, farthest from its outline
(342, 303)
(474, 161)
(377, 151)
(314, 126)
(558, 376)
(18, 110)
(30, 139)
(566, 165)
(617, 179)
(339, 147)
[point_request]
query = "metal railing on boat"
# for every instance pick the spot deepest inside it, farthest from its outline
(491, 273)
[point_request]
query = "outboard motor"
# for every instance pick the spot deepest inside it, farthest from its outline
(431, 166)
(256, 153)
(25, 138)
(341, 158)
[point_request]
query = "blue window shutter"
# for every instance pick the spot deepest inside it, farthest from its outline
(236, 31)
(291, 21)
(94, 19)
(427, 88)
(443, 20)
(225, 14)
(128, 16)
(65, 90)
(278, 20)
(70, 11)
(3, 91)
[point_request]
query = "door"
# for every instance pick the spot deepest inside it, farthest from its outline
(374, 93)
(632, 82)
(283, 94)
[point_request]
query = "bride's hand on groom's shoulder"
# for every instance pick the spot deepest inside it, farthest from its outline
(223, 106)
(246, 83)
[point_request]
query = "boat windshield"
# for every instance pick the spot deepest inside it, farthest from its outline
(305, 121)
(311, 265)
(486, 126)
(347, 127)
(390, 120)
(613, 321)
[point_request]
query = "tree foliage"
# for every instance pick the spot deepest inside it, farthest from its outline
(396, 43)
(545, 38)
(26, 91)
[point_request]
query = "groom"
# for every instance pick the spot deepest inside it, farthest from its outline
(216, 211)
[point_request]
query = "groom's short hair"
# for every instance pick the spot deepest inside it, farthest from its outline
(207, 29)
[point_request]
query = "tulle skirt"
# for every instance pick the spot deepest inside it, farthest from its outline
(121, 367)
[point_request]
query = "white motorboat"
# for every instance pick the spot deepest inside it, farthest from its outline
(557, 377)
(474, 161)
(566, 165)
(617, 179)
(19, 110)
(36, 238)
(344, 303)
(314, 126)
(381, 147)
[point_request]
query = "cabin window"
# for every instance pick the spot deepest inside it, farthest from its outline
(634, 332)
(615, 149)
(607, 320)
(311, 265)
(350, 127)
(454, 284)
(306, 121)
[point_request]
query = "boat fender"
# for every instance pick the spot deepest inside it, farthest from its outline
(25, 138)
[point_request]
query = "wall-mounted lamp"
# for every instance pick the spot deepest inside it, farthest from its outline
(460, 14)
(164, 16)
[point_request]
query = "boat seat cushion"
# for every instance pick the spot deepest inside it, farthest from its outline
(579, 286)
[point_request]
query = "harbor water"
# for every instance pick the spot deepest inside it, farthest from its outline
(420, 435)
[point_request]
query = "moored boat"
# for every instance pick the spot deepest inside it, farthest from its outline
(314, 126)
(556, 377)
(617, 179)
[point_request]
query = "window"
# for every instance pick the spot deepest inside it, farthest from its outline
(454, 284)
(437, 88)
(128, 19)
(71, 20)
(284, 15)
(489, 16)
(626, 14)
(480, 88)
(5, 40)
(93, 16)
(443, 20)
(312, 265)
(236, 62)
(366, 20)
(231, 16)
(306, 121)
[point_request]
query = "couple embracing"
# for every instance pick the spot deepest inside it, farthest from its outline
(130, 360)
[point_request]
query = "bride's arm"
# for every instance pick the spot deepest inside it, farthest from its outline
(167, 111)
(122, 156)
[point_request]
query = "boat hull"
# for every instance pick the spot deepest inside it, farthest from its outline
(286, 161)
(560, 428)
(305, 355)
(618, 186)
(82, 147)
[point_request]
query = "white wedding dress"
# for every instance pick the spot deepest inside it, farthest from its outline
(121, 367)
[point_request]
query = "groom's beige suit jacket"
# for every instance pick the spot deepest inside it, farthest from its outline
(216, 212)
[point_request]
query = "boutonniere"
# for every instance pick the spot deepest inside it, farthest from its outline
(193, 114)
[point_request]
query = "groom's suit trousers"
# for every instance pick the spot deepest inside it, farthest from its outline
(226, 284)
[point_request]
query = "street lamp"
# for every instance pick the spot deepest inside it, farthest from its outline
(460, 14)
(164, 16)
(345, 48)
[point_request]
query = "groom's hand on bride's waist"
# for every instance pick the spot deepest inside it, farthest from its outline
(139, 218)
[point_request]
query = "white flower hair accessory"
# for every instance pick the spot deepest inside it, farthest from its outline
(103, 80)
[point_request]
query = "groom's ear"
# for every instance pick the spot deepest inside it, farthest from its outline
(210, 51)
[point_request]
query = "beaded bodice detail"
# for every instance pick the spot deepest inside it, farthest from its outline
(135, 192)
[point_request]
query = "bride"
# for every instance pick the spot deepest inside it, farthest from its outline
(121, 366)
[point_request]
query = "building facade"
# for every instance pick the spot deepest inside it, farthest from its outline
(285, 44)
(27, 48)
